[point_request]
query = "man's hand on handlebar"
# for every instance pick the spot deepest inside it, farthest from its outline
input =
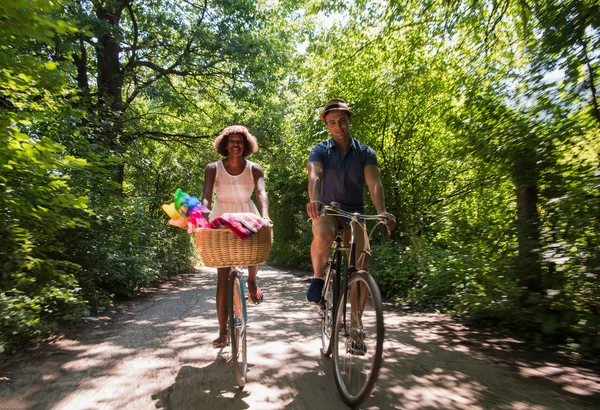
(391, 221)
(313, 209)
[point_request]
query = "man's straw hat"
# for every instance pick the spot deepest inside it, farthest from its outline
(335, 104)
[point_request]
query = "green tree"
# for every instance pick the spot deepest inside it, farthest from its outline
(473, 138)
(37, 287)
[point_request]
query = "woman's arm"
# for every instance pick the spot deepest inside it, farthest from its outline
(261, 192)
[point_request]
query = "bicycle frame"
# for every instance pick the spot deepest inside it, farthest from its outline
(239, 272)
(355, 219)
(237, 303)
(344, 336)
(336, 260)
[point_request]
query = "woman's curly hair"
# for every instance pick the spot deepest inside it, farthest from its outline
(250, 141)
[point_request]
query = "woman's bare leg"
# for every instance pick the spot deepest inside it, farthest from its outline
(253, 289)
(222, 310)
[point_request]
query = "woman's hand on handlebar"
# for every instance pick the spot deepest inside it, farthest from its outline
(313, 209)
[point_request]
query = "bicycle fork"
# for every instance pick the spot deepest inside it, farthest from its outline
(329, 268)
(332, 267)
(240, 276)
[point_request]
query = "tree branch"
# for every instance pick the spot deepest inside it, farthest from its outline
(591, 74)
(149, 134)
(160, 70)
(374, 41)
(131, 62)
(170, 70)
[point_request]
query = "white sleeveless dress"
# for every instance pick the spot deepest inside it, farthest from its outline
(234, 192)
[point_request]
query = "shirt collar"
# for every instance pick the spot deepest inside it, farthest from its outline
(331, 143)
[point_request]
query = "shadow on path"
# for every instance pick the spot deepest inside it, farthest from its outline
(208, 387)
(157, 353)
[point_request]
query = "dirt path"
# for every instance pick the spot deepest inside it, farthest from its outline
(156, 353)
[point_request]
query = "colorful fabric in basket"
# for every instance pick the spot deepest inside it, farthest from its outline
(242, 224)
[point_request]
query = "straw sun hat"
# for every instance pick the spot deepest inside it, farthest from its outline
(335, 104)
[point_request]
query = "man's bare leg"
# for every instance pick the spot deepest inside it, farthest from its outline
(323, 235)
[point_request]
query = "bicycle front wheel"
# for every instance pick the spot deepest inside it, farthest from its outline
(358, 339)
(237, 328)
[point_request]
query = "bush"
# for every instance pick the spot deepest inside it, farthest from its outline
(121, 254)
(28, 316)
(394, 268)
(291, 247)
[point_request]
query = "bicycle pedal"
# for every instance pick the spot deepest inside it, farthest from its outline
(357, 350)
(320, 307)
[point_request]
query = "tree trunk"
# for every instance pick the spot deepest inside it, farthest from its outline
(110, 81)
(82, 71)
(525, 177)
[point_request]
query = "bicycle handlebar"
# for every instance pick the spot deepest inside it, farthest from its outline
(334, 209)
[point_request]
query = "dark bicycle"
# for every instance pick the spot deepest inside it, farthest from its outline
(352, 316)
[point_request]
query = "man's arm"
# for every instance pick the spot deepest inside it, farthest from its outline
(315, 179)
(373, 179)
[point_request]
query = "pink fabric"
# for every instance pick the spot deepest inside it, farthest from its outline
(242, 224)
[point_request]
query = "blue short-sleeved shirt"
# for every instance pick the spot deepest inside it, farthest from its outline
(344, 176)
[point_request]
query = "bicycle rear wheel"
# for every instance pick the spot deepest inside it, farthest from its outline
(237, 327)
(358, 339)
(327, 315)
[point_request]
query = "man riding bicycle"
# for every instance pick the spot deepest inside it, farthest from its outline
(337, 172)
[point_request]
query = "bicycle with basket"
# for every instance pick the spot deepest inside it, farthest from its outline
(221, 248)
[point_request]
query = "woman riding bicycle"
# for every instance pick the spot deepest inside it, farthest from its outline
(233, 179)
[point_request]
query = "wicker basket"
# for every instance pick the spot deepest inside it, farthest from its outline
(220, 248)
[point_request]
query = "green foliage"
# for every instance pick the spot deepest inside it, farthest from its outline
(395, 269)
(490, 165)
(37, 289)
(286, 184)
(287, 250)
(121, 254)
(20, 321)
(30, 312)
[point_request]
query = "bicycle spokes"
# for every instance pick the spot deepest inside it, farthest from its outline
(358, 339)
(237, 328)
(327, 310)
